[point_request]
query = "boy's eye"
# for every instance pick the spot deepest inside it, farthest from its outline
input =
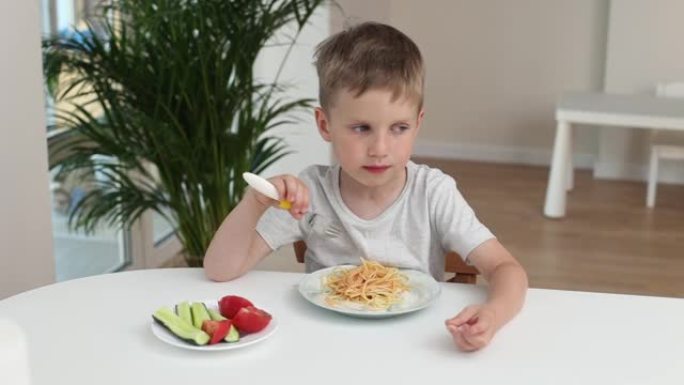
(360, 128)
(400, 128)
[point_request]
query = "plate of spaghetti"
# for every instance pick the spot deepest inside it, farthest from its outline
(369, 290)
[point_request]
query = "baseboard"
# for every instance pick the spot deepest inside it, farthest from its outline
(496, 154)
(671, 172)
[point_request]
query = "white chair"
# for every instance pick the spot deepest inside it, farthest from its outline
(14, 358)
(663, 151)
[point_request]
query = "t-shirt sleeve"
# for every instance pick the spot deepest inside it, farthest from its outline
(278, 228)
(455, 221)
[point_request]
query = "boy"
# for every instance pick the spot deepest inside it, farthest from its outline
(381, 205)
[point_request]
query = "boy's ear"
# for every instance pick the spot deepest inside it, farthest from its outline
(421, 114)
(322, 123)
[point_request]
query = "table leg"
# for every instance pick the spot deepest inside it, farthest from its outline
(554, 206)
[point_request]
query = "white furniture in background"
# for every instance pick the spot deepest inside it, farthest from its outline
(663, 151)
(14, 367)
(628, 111)
(96, 330)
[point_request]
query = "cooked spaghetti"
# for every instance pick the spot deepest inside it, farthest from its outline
(371, 284)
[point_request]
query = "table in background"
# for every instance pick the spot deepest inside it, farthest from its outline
(97, 331)
(628, 111)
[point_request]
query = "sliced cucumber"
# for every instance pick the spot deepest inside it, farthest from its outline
(233, 334)
(215, 316)
(179, 328)
(184, 312)
(199, 314)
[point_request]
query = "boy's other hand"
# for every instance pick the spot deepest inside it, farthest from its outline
(291, 189)
(473, 327)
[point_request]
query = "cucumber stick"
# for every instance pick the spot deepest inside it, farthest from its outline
(199, 314)
(178, 327)
(215, 316)
(183, 311)
(233, 334)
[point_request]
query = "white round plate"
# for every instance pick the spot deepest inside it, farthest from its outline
(423, 291)
(245, 340)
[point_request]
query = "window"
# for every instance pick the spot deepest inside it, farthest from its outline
(150, 243)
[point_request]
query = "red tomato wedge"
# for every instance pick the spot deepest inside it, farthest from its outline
(231, 304)
(218, 330)
(251, 319)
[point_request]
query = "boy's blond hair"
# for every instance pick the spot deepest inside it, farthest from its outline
(369, 56)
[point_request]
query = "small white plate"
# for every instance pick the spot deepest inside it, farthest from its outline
(245, 340)
(424, 290)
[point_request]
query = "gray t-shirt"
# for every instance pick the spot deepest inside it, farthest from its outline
(429, 218)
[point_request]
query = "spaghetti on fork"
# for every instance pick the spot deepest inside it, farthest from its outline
(371, 284)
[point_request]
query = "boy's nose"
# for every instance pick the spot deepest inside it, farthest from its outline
(378, 146)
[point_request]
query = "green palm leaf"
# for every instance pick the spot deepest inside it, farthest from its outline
(161, 104)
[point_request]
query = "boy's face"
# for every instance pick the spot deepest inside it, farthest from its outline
(372, 136)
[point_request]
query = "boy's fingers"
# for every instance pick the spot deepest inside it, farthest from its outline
(460, 339)
(477, 341)
(465, 315)
(297, 206)
(292, 193)
(279, 184)
(462, 343)
(480, 325)
(291, 187)
(469, 328)
(302, 199)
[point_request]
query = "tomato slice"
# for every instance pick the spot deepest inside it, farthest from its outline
(231, 304)
(218, 330)
(250, 319)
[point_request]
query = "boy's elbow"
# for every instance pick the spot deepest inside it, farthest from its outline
(216, 277)
(521, 273)
(215, 273)
(219, 274)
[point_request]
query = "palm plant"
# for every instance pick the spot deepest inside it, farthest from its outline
(163, 101)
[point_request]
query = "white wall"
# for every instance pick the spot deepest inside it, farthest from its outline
(26, 259)
(349, 12)
(495, 70)
(644, 47)
(303, 137)
(299, 73)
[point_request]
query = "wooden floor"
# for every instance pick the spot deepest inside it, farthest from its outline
(608, 242)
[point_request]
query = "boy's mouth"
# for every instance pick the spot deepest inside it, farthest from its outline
(376, 169)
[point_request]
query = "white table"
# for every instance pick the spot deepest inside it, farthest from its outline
(97, 331)
(629, 111)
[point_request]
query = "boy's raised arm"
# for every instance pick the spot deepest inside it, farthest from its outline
(236, 246)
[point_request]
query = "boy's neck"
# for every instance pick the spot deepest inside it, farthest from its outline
(369, 202)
